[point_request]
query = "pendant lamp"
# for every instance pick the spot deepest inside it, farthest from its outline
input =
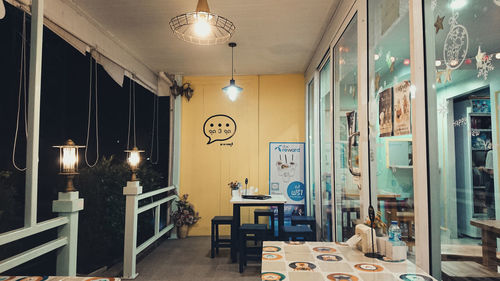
(202, 27)
(232, 90)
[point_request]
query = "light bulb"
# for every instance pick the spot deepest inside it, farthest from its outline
(458, 4)
(232, 93)
(438, 63)
(376, 56)
(134, 158)
(201, 27)
(69, 159)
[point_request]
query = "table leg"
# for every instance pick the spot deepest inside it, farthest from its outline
(489, 250)
(235, 231)
(281, 220)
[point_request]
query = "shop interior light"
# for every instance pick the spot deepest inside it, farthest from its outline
(202, 27)
(497, 56)
(438, 63)
(458, 4)
(376, 57)
(232, 90)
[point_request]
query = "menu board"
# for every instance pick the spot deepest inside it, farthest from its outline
(402, 121)
(385, 113)
(287, 175)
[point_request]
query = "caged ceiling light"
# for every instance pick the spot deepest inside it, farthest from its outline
(232, 90)
(202, 27)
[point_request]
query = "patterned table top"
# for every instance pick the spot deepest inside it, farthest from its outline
(55, 278)
(329, 261)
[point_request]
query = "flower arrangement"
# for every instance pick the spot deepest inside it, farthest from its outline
(185, 214)
(234, 185)
(378, 224)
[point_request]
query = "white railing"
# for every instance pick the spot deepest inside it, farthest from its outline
(68, 207)
(133, 193)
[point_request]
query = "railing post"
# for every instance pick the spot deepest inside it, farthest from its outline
(131, 191)
(68, 205)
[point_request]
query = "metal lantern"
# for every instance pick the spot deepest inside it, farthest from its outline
(202, 27)
(68, 162)
(232, 90)
(133, 160)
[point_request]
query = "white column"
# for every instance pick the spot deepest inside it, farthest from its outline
(131, 191)
(35, 81)
(68, 205)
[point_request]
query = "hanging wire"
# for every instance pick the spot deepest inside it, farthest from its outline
(22, 89)
(131, 113)
(154, 131)
(89, 115)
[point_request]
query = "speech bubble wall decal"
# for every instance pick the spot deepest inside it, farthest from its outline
(219, 127)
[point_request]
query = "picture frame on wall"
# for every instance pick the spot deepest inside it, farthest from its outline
(402, 109)
(385, 113)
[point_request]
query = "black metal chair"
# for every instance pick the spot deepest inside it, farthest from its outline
(257, 213)
(216, 242)
(254, 232)
(297, 232)
(305, 220)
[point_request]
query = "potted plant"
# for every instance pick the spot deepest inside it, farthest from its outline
(184, 216)
(235, 186)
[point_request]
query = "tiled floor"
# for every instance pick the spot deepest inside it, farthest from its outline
(189, 259)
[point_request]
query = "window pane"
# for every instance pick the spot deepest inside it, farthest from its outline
(311, 139)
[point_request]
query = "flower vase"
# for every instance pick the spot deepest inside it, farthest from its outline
(235, 193)
(182, 232)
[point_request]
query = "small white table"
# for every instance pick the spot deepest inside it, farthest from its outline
(238, 202)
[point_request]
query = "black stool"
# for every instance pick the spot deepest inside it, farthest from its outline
(305, 220)
(264, 213)
(216, 242)
(255, 232)
(292, 232)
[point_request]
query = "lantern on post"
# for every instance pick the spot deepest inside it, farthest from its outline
(133, 159)
(68, 162)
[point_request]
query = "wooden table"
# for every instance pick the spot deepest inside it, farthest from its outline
(238, 202)
(490, 230)
(330, 261)
(466, 270)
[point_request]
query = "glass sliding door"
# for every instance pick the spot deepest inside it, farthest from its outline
(390, 117)
(325, 122)
(463, 55)
(347, 207)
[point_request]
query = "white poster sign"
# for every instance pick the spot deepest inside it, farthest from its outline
(287, 175)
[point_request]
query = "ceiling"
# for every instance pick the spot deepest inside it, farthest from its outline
(273, 37)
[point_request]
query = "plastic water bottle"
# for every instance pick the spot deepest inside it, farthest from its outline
(394, 233)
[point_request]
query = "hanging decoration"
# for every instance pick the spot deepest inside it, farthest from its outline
(483, 64)
(21, 93)
(433, 5)
(456, 44)
(155, 132)
(439, 23)
(377, 81)
(443, 108)
(90, 113)
(447, 75)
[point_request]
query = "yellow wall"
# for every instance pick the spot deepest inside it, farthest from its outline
(270, 108)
